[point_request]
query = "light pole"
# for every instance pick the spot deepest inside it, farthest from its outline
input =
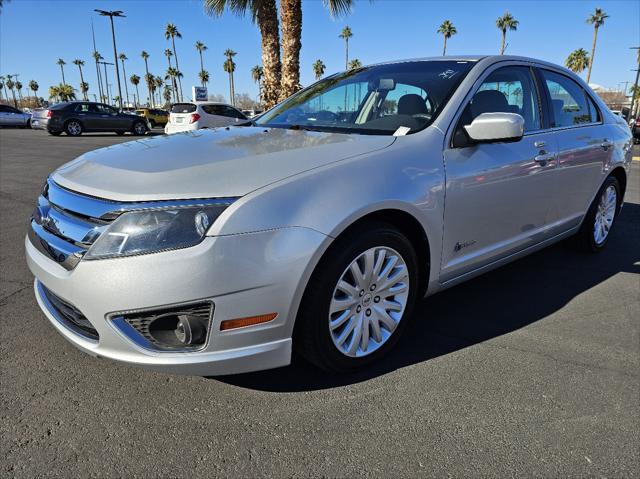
(635, 90)
(106, 81)
(111, 14)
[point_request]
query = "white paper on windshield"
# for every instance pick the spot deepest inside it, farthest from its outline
(402, 130)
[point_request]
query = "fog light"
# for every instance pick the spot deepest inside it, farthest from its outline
(190, 330)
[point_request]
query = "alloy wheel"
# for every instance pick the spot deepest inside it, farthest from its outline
(139, 128)
(74, 128)
(369, 301)
(605, 214)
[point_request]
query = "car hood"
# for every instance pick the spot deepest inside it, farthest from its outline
(224, 162)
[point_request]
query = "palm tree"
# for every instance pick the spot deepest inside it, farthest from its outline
(167, 94)
(291, 24)
(79, 63)
(33, 86)
(172, 74)
(597, 20)
(504, 23)
(353, 64)
(62, 63)
(97, 57)
(62, 92)
(1, 86)
(122, 58)
(201, 47)
(171, 32)
(158, 84)
(204, 77)
(150, 86)
(229, 66)
(346, 34)
(149, 80)
(257, 72)
(168, 53)
(11, 85)
(265, 15)
(448, 30)
(19, 88)
(578, 60)
(135, 80)
(318, 69)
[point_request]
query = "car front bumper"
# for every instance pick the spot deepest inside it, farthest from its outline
(242, 275)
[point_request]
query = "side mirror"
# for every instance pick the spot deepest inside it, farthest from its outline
(494, 127)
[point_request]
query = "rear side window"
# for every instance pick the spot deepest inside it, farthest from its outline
(183, 108)
(569, 102)
(213, 109)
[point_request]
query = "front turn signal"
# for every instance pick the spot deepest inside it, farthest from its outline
(249, 321)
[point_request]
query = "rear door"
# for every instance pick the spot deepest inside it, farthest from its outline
(498, 195)
(584, 145)
(220, 115)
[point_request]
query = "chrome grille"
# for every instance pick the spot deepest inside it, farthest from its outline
(65, 224)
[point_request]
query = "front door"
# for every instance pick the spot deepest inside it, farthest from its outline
(498, 195)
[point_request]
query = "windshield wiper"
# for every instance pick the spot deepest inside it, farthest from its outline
(301, 127)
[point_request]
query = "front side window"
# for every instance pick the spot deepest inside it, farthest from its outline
(506, 90)
(568, 101)
(376, 100)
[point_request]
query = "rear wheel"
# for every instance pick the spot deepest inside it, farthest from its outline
(596, 227)
(139, 128)
(358, 300)
(73, 128)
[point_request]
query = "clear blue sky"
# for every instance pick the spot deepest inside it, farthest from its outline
(34, 34)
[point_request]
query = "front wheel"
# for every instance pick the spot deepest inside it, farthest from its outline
(358, 300)
(598, 222)
(139, 128)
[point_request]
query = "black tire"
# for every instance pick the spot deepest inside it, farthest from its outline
(312, 338)
(54, 133)
(27, 125)
(139, 128)
(585, 238)
(120, 133)
(73, 128)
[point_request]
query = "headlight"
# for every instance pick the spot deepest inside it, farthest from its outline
(153, 230)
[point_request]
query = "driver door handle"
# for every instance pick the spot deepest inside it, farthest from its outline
(543, 158)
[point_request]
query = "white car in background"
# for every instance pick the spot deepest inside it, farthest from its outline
(195, 115)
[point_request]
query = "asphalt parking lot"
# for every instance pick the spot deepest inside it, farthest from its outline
(531, 370)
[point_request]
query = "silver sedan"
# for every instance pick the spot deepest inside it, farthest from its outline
(319, 225)
(10, 116)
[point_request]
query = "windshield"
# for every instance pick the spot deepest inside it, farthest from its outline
(379, 100)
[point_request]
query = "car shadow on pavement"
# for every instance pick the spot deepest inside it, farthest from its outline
(497, 303)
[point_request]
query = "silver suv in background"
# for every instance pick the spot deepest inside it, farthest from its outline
(319, 225)
(193, 116)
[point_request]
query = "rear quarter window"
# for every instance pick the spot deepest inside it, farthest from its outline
(183, 108)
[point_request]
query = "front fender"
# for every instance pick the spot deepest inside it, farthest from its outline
(408, 175)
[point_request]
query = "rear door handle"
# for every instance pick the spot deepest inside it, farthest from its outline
(606, 144)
